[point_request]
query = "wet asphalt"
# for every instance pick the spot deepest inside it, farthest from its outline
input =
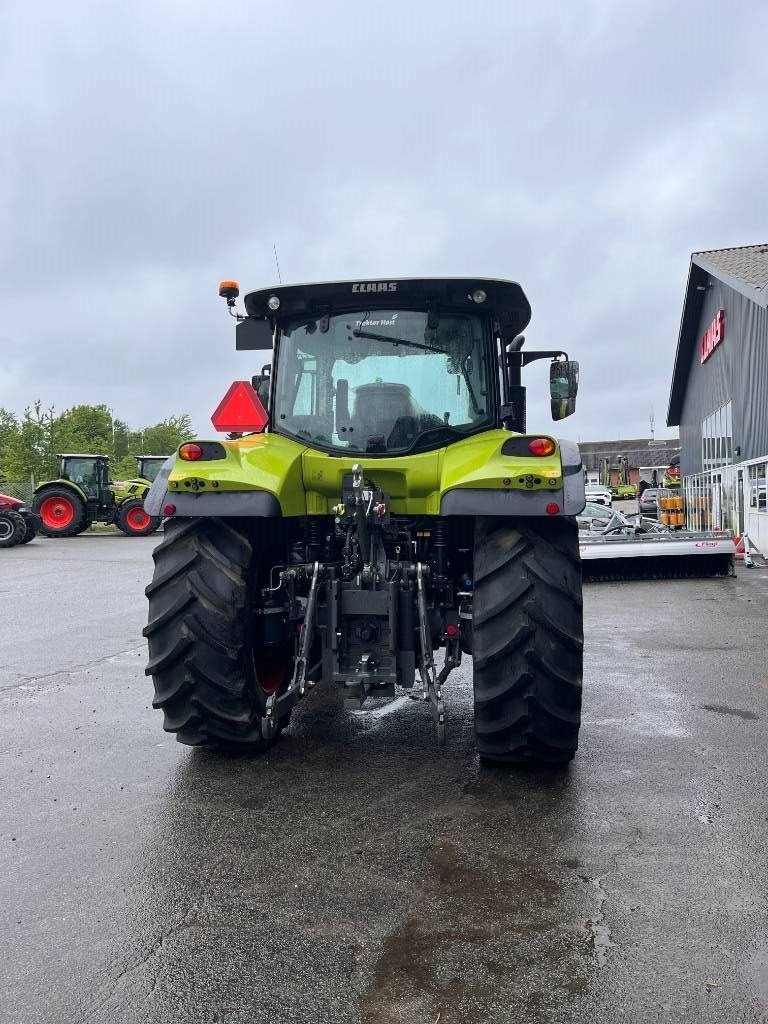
(358, 873)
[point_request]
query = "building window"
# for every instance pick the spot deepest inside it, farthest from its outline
(758, 486)
(717, 438)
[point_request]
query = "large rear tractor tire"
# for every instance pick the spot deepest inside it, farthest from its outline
(211, 679)
(61, 511)
(134, 521)
(527, 640)
(12, 528)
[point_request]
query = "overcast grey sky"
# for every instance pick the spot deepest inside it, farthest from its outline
(151, 149)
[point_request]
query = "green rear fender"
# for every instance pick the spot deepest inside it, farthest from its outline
(61, 482)
(267, 474)
(265, 463)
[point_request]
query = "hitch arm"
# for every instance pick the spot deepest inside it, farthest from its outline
(298, 684)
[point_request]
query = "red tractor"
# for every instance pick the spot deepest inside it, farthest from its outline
(18, 523)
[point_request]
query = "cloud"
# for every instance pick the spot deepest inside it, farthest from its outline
(151, 150)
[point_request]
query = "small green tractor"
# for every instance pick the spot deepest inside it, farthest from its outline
(622, 490)
(389, 502)
(84, 494)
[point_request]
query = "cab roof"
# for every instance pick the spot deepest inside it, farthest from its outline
(505, 300)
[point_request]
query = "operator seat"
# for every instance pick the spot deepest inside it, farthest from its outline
(378, 409)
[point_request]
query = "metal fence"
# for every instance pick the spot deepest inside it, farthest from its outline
(730, 498)
(18, 489)
(712, 500)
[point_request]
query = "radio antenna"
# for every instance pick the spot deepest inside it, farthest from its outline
(277, 263)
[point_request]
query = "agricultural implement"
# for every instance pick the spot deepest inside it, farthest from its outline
(388, 503)
(621, 547)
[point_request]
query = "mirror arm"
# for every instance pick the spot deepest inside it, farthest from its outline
(530, 357)
(516, 359)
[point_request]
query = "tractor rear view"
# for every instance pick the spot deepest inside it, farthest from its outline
(83, 494)
(389, 505)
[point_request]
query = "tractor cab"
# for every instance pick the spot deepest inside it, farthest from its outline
(148, 466)
(90, 473)
(391, 368)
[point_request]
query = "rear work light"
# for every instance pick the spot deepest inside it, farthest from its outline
(190, 452)
(541, 446)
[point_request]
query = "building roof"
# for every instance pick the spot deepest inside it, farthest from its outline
(743, 268)
(746, 265)
(640, 451)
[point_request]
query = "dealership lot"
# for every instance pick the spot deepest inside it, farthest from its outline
(358, 873)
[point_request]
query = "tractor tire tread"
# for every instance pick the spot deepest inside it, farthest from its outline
(18, 528)
(196, 634)
(527, 640)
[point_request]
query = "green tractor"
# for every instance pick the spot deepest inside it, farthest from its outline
(84, 494)
(389, 502)
(147, 468)
(622, 490)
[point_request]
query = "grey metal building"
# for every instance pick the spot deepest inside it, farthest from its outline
(719, 394)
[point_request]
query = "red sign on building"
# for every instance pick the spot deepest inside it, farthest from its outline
(713, 335)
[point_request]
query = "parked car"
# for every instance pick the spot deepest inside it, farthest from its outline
(599, 495)
(593, 512)
(648, 502)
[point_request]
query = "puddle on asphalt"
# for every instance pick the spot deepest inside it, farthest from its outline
(481, 931)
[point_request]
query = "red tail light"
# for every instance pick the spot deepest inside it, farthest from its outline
(541, 446)
(190, 452)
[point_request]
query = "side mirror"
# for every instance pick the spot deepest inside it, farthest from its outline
(563, 387)
(253, 335)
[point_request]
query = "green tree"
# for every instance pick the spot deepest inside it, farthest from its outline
(126, 444)
(121, 439)
(9, 427)
(164, 438)
(29, 445)
(31, 448)
(84, 428)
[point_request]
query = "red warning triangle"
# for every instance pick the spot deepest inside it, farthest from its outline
(240, 410)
